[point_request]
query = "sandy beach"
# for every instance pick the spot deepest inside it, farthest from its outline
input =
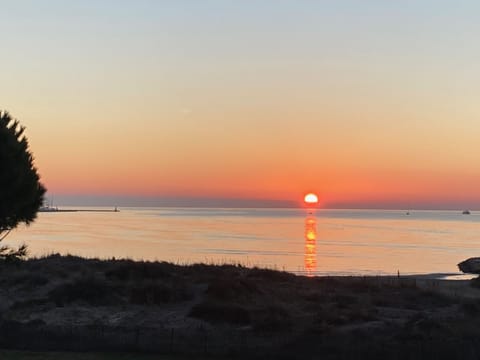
(73, 304)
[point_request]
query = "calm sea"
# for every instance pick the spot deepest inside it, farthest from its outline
(326, 242)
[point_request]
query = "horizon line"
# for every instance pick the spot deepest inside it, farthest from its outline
(229, 202)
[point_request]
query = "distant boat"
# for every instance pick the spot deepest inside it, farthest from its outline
(46, 207)
(407, 213)
(466, 212)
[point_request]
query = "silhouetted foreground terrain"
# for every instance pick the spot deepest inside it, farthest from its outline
(73, 304)
(28, 355)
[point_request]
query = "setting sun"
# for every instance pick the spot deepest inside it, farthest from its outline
(311, 198)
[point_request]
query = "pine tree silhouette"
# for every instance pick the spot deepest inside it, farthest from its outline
(21, 193)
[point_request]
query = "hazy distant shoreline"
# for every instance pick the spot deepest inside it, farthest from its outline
(216, 202)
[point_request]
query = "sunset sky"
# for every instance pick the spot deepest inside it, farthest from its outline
(367, 103)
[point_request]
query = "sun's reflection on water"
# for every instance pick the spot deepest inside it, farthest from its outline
(310, 245)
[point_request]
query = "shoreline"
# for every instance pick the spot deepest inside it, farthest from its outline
(70, 303)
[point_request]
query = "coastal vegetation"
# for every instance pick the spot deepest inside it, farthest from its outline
(21, 193)
(30, 355)
(67, 303)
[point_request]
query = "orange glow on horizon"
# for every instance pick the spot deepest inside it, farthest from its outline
(366, 129)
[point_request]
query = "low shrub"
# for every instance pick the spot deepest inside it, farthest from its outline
(344, 301)
(271, 275)
(232, 289)
(272, 318)
(471, 307)
(25, 279)
(30, 303)
(475, 282)
(216, 312)
(89, 290)
(130, 270)
(158, 293)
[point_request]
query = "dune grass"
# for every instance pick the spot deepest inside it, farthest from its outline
(199, 310)
(29, 355)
